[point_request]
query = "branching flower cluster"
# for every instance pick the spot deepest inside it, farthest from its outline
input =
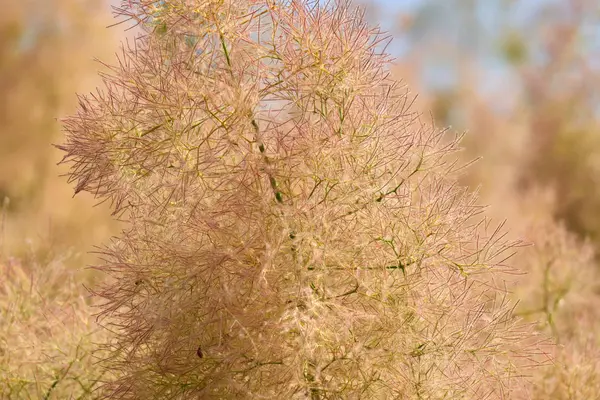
(294, 230)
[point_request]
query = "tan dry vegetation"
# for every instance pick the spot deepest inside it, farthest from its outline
(559, 292)
(47, 333)
(47, 328)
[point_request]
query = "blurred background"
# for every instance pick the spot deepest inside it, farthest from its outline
(47, 51)
(519, 76)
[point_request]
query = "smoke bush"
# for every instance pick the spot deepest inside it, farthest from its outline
(293, 229)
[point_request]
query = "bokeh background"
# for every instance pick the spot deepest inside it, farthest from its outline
(519, 76)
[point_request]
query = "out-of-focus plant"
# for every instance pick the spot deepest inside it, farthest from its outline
(294, 229)
(561, 294)
(561, 102)
(47, 333)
